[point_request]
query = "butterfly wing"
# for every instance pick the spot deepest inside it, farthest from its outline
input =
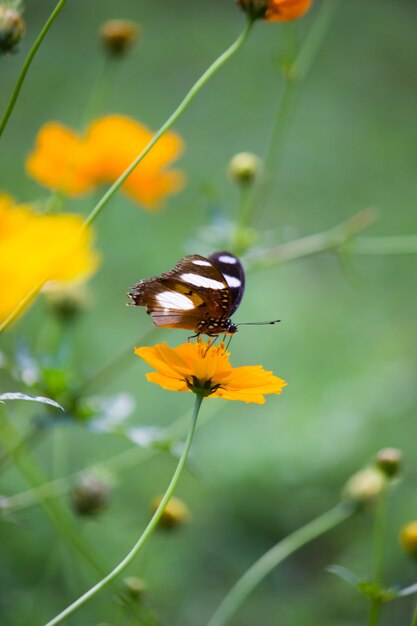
(232, 271)
(193, 291)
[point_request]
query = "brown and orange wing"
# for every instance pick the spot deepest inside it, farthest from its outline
(193, 291)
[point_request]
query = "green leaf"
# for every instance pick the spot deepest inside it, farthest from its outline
(345, 574)
(22, 396)
(368, 588)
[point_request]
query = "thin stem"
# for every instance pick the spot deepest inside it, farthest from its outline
(117, 464)
(218, 63)
(278, 553)
(374, 613)
(332, 239)
(146, 533)
(414, 620)
(221, 60)
(114, 367)
(293, 75)
(27, 441)
(20, 307)
(57, 513)
(27, 64)
(378, 544)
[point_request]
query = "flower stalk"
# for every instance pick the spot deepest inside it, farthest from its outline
(276, 555)
(104, 582)
(27, 64)
(216, 65)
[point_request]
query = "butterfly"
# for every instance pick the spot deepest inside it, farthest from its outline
(199, 294)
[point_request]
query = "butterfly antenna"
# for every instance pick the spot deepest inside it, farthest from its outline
(258, 323)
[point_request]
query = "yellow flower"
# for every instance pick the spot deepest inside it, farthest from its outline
(275, 10)
(206, 371)
(36, 248)
(75, 165)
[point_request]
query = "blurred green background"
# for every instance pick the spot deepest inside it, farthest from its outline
(346, 345)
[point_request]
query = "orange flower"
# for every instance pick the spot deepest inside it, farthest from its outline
(275, 10)
(74, 164)
(36, 248)
(206, 371)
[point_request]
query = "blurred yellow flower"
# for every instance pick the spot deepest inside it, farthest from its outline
(75, 164)
(275, 10)
(206, 371)
(36, 248)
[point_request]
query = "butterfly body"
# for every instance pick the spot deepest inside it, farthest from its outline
(199, 294)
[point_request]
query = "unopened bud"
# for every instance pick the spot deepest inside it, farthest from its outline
(67, 301)
(118, 36)
(12, 28)
(408, 538)
(89, 496)
(175, 514)
(135, 586)
(365, 486)
(254, 8)
(245, 168)
(389, 461)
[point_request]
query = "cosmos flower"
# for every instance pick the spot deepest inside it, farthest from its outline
(35, 248)
(206, 371)
(75, 164)
(275, 10)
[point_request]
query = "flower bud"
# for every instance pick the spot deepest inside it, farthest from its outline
(365, 486)
(66, 301)
(408, 538)
(12, 28)
(135, 586)
(389, 461)
(176, 512)
(244, 168)
(118, 36)
(89, 496)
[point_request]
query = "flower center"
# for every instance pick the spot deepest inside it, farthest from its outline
(202, 388)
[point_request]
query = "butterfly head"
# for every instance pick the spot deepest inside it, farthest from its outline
(213, 326)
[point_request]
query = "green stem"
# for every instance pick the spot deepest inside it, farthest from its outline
(221, 60)
(374, 613)
(21, 307)
(293, 75)
(414, 620)
(278, 553)
(27, 441)
(378, 543)
(27, 64)
(329, 240)
(146, 533)
(57, 513)
(114, 367)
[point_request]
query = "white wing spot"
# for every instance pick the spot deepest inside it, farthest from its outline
(232, 281)
(172, 300)
(202, 281)
(225, 258)
(198, 262)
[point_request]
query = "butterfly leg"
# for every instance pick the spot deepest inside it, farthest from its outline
(215, 338)
(228, 343)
